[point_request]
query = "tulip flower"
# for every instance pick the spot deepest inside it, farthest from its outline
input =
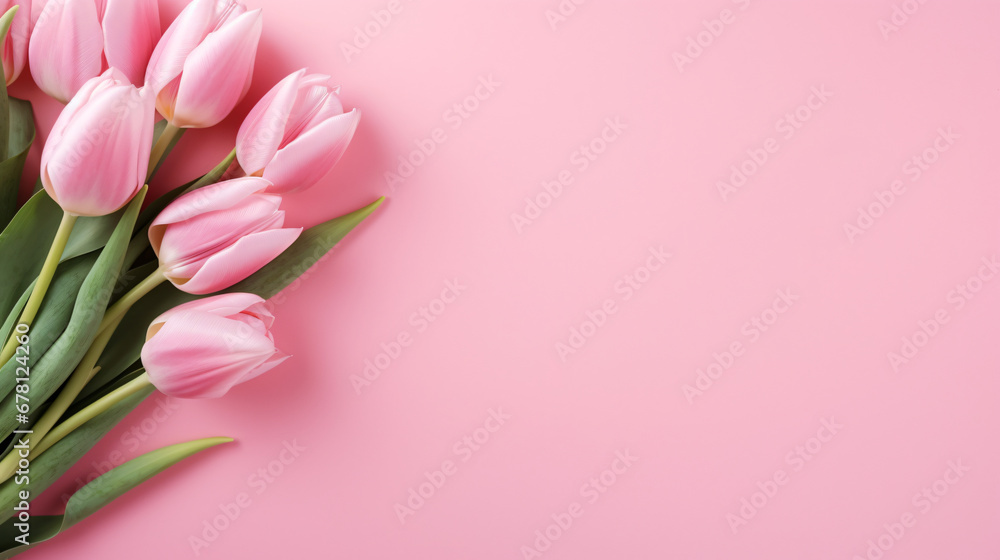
(213, 237)
(203, 348)
(96, 156)
(76, 40)
(202, 67)
(296, 133)
(15, 45)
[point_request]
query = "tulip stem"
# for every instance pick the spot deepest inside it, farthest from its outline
(41, 285)
(168, 136)
(9, 463)
(82, 375)
(115, 313)
(91, 412)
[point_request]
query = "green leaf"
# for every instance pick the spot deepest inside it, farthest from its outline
(21, 135)
(101, 492)
(53, 316)
(23, 246)
(126, 345)
(52, 369)
(157, 133)
(49, 466)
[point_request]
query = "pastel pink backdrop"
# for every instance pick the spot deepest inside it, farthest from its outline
(826, 358)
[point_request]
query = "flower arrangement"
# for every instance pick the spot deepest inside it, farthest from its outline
(127, 301)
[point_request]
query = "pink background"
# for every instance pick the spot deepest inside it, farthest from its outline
(928, 425)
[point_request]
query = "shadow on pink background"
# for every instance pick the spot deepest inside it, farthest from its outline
(711, 280)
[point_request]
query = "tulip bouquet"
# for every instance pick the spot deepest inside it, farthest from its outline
(103, 301)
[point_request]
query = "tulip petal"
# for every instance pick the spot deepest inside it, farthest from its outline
(183, 35)
(217, 73)
(223, 305)
(66, 47)
(204, 234)
(263, 130)
(312, 155)
(238, 261)
(131, 31)
(207, 199)
(201, 355)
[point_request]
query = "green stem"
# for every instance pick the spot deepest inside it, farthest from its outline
(160, 148)
(83, 373)
(91, 412)
(9, 463)
(115, 313)
(42, 284)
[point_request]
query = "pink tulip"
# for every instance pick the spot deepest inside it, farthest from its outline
(202, 349)
(213, 237)
(96, 156)
(15, 47)
(202, 67)
(296, 133)
(75, 40)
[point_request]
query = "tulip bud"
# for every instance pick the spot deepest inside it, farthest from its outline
(201, 69)
(296, 133)
(15, 46)
(213, 237)
(201, 349)
(76, 40)
(96, 156)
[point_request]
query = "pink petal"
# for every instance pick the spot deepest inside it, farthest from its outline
(262, 131)
(131, 31)
(66, 48)
(222, 305)
(309, 158)
(209, 199)
(183, 35)
(185, 242)
(237, 262)
(217, 73)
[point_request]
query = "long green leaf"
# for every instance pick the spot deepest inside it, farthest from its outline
(58, 362)
(53, 316)
(101, 492)
(126, 345)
